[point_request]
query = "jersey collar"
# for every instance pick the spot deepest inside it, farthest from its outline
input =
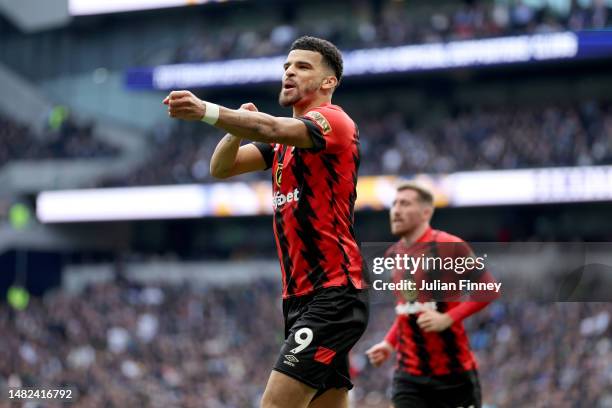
(426, 237)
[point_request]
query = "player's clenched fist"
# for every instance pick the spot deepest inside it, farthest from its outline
(433, 321)
(185, 105)
(250, 106)
(379, 353)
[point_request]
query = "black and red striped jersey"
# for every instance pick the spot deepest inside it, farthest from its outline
(314, 193)
(421, 353)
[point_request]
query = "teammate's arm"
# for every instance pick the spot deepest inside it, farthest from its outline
(230, 159)
(255, 126)
(465, 310)
(434, 321)
(380, 352)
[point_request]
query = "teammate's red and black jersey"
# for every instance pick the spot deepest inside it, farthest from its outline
(314, 193)
(421, 353)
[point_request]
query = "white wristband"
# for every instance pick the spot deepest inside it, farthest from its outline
(211, 116)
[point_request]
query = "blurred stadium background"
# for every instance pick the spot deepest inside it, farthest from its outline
(164, 291)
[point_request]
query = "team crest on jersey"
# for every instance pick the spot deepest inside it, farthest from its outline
(279, 174)
(320, 119)
(410, 295)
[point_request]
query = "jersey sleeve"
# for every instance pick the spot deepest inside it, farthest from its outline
(267, 152)
(463, 250)
(477, 273)
(465, 309)
(393, 334)
(330, 130)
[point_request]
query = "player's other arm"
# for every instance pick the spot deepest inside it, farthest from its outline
(230, 159)
(244, 124)
(380, 352)
(433, 321)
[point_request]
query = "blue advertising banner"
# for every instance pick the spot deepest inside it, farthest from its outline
(405, 59)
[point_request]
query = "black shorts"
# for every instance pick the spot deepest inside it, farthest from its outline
(447, 391)
(320, 330)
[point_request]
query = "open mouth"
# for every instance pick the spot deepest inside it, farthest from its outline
(288, 86)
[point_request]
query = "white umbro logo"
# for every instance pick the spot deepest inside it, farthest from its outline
(292, 358)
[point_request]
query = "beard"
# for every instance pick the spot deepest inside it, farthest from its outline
(285, 100)
(295, 95)
(406, 227)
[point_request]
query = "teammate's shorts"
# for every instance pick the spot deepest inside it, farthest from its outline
(447, 391)
(320, 330)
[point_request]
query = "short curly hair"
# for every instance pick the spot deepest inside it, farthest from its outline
(331, 54)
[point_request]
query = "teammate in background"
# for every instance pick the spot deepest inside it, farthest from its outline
(435, 365)
(314, 157)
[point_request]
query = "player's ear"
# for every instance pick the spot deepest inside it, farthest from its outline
(330, 82)
(428, 211)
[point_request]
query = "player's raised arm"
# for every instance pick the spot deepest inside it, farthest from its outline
(244, 124)
(230, 159)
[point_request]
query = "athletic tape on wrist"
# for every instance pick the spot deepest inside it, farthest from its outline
(212, 113)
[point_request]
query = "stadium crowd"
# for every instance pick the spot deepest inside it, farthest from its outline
(400, 143)
(390, 23)
(68, 140)
(394, 142)
(121, 344)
